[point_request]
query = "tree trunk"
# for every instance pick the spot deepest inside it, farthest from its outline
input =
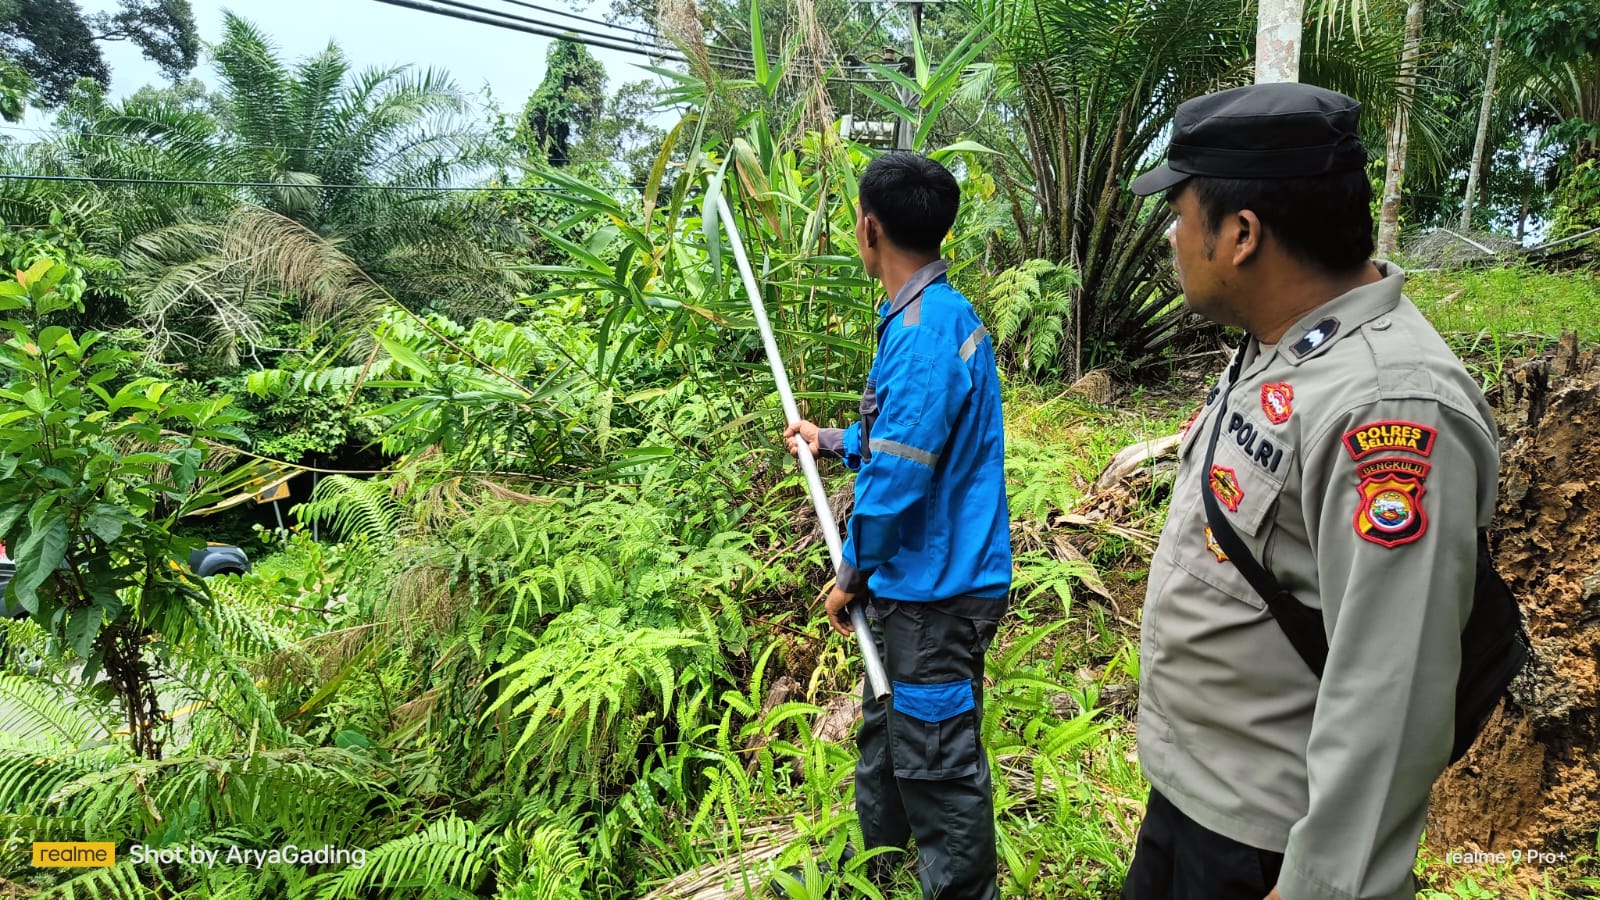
(1399, 131)
(1278, 40)
(1522, 217)
(1475, 174)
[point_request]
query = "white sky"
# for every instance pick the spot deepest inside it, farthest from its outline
(509, 64)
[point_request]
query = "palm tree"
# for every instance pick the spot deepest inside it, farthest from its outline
(321, 123)
(1094, 86)
(298, 208)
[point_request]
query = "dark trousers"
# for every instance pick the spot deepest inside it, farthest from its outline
(1176, 858)
(923, 772)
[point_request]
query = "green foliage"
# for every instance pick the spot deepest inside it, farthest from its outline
(15, 85)
(1577, 201)
(98, 471)
(448, 854)
(583, 677)
(1548, 31)
(566, 644)
(1096, 86)
(57, 43)
(1028, 313)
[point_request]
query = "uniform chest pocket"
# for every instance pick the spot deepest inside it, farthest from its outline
(905, 400)
(1248, 472)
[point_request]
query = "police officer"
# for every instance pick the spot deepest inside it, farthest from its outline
(1347, 453)
(929, 538)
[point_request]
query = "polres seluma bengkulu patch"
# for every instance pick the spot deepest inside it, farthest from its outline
(1392, 434)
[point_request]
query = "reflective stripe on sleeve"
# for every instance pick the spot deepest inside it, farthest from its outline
(905, 451)
(970, 345)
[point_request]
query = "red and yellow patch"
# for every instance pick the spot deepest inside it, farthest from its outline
(1214, 547)
(1375, 437)
(1276, 401)
(1389, 512)
(1225, 484)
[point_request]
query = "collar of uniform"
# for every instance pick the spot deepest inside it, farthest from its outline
(1349, 311)
(915, 285)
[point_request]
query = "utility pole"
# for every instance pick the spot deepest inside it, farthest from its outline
(899, 133)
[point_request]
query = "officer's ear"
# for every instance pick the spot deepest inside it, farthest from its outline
(1247, 236)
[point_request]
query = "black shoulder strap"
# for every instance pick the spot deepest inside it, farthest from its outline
(1300, 623)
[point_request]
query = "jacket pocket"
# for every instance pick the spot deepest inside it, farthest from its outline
(933, 731)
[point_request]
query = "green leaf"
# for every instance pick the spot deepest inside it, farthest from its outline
(575, 250)
(38, 556)
(36, 272)
(106, 522)
(83, 626)
(888, 103)
(652, 185)
(944, 153)
(404, 355)
(709, 218)
(9, 516)
(185, 468)
(349, 737)
(50, 337)
(758, 48)
(629, 459)
(331, 687)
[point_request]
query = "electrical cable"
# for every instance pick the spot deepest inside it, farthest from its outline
(267, 185)
(483, 16)
(159, 136)
(728, 57)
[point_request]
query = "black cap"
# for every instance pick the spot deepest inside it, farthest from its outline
(1284, 130)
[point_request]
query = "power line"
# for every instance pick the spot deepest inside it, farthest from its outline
(570, 15)
(534, 28)
(267, 185)
(726, 57)
(466, 12)
(160, 136)
(154, 137)
(740, 57)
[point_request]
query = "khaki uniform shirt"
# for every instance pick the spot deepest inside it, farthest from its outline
(1357, 461)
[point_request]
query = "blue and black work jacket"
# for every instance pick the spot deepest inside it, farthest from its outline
(930, 520)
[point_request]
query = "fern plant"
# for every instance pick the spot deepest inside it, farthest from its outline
(1028, 309)
(579, 682)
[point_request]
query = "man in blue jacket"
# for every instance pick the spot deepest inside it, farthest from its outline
(929, 541)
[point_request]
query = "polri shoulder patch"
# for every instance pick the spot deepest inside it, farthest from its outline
(1225, 484)
(1316, 337)
(1389, 512)
(1276, 401)
(1390, 434)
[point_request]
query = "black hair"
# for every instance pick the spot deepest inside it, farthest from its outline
(1323, 221)
(914, 198)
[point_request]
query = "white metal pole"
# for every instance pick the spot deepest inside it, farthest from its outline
(877, 679)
